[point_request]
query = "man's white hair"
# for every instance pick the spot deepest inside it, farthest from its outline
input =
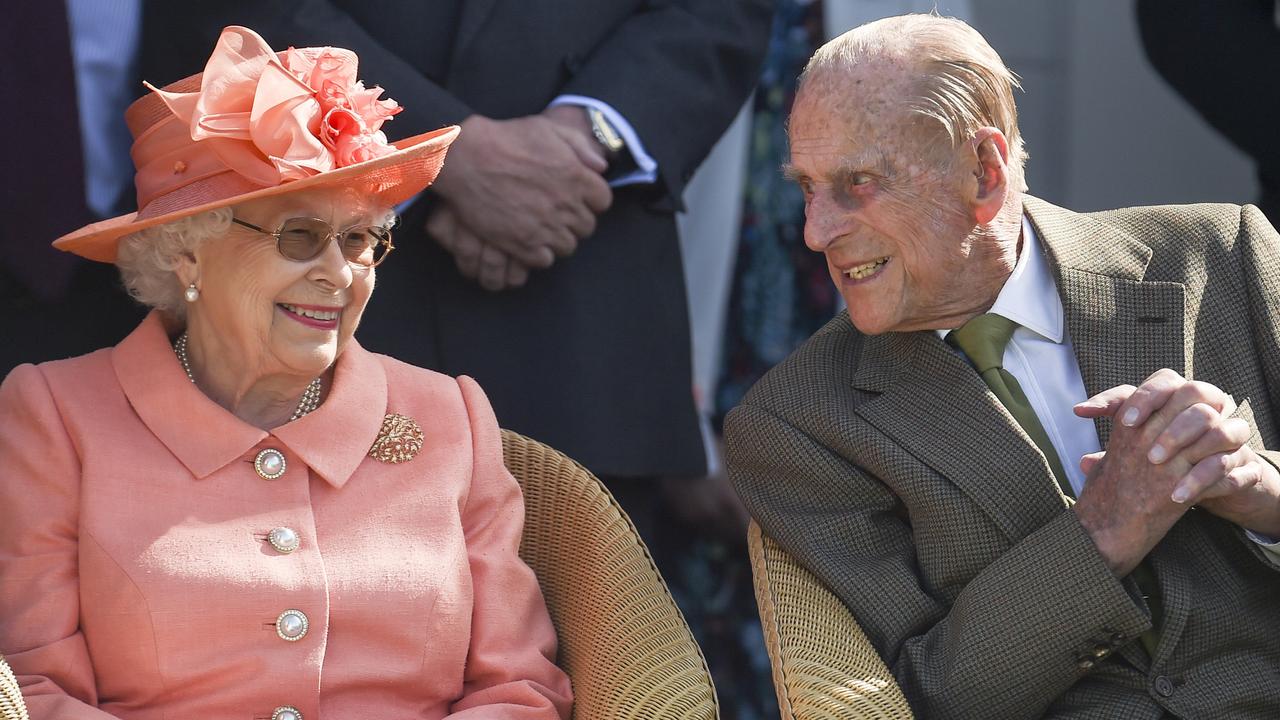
(963, 84)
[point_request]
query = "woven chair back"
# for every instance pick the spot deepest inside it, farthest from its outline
(824, 668)
(12, 706)
(623, 642)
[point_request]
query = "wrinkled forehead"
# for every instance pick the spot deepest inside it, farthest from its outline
(859, 115)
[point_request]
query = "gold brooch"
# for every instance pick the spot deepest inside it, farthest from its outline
(399, 440)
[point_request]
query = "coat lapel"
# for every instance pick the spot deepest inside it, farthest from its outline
(936, 406)
(1122, 329)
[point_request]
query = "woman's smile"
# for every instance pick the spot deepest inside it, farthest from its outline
(318, 316)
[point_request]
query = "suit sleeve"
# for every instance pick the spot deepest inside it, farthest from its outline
(1259, 245)
(39, 539)
(300, 23)
(678, 71)
(511, 670)
(1010, 643)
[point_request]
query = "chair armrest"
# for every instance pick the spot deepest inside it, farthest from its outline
(623, 641)
(823, 665)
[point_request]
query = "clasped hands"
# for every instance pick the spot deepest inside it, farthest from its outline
(1175, 444)
(518, 194)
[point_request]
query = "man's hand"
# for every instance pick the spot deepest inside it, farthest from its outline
(530, 187)
(493, 269)
(1125, 506)
(1191, 420)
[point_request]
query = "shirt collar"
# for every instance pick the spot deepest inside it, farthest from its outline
(1029, 296)
(333, 440)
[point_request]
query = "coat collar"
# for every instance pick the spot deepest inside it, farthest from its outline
(931, 401)
(333, 440)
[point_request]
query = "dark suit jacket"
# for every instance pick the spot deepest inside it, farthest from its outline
(593, 355)
(884, 465)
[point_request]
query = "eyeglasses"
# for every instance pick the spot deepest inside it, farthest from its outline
(303, 239)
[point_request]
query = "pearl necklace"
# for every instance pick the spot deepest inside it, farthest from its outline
(310, 397)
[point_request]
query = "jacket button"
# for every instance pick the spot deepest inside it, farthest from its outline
(269, 464)
(1101, 651)
(1164, 686)
(286, 712)
(284, 540)
(292, 625)
(1084, 662)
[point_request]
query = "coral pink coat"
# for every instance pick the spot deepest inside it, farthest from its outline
(136, 580)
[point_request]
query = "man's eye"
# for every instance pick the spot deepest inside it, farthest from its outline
(860, 179)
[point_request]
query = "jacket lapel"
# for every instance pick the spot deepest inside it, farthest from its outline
(936, 406)
(1122, 329)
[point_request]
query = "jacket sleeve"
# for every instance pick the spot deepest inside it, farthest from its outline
(1259, 248)
(39, 539)
(300, 23)
(1010, 643)
(678, 71)
(511, 670)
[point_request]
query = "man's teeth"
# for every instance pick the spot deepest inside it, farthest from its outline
(862, 271)
(316, 314)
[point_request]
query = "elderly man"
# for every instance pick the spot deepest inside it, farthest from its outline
(936, 456)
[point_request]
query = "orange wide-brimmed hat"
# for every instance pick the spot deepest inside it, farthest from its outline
(258, 123)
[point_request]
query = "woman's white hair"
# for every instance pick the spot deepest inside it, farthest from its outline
(148, 258)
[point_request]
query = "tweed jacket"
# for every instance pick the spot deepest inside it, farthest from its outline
(885, 466)
(136, 580)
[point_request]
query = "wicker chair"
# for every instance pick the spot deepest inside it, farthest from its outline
(11, 705)
(622, 640)
(824, 667)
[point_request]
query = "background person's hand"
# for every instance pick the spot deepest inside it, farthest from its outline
(492, 268)
(529, 186)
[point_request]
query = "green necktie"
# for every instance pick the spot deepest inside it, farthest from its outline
(983, 340)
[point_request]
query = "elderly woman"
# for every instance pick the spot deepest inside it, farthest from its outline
(238, 512)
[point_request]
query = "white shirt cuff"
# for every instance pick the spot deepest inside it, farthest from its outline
(646, 171)
(1270, 546)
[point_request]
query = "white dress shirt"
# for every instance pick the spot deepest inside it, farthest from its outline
(1040, 358)
(104, 47)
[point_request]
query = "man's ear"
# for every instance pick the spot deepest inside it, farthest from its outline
(990, 167)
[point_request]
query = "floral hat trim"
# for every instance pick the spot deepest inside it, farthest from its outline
(275, 117)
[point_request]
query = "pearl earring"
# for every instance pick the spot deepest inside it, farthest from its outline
(191, 293)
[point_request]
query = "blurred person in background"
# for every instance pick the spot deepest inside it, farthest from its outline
(1223, 58)
(84, 53)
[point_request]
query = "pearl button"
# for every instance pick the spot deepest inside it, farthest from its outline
(269, 464)
(292, 625)
(284, 539)
(286, 712)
